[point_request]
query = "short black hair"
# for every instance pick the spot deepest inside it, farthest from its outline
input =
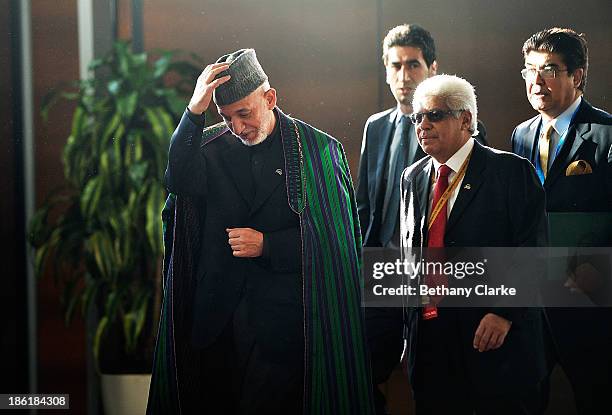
(410, 35)
(570, 45)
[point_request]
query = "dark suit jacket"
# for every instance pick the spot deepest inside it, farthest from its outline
(377, 136)
(577, 332)
(589, 138)
(219, 177)
(503, 208)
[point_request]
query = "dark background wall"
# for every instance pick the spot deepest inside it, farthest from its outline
(323, 57)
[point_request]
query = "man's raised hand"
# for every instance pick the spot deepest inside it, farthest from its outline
(206, 84)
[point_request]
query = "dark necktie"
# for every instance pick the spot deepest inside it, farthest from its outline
(397, 162)
(435, 239)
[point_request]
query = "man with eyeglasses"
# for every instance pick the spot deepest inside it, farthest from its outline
(570, 144)
(468, 360)
(389, 146)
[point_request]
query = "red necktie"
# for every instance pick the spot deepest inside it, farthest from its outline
(436, 231)
(436, 240)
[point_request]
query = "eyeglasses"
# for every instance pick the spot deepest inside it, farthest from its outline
(432, 116)
(548, 72)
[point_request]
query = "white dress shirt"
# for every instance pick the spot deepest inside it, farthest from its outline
(455, 163)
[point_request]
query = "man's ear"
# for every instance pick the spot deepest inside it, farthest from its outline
(578, 74)
(466, 120)
(270, 97)
(433, 68)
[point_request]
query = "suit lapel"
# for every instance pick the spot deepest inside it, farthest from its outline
(474, 177)
(580, 137)
(272, 176)
(531, 147)
(237, 154)
(291, 143)
(384, 137)
(415, 151)
(574, 139)
(422, 188)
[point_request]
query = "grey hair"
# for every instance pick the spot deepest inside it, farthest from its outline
(457, 93)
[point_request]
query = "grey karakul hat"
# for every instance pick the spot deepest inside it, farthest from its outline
(247, 75)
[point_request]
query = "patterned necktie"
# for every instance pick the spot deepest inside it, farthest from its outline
(435, 239)
(544, 145)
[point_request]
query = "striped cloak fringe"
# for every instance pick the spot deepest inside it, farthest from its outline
(337, 373)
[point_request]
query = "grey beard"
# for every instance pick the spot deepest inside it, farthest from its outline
(261, 137)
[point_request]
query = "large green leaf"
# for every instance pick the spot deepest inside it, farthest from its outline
(71, 155)
(161, 65)
(70, 297)
(89, 293)
(100, 246)
(90, 199)
(126, 104)
(111, 308)
(110, 129)
(40, 257)
(158, 120)
(134, 320)
(122, 60)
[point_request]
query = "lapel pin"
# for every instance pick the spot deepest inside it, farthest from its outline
(467, 186)
(279, 172)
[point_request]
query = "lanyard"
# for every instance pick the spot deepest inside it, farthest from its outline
(448, 192)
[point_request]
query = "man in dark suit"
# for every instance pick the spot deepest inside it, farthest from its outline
(570, 144)
(466, 360)
(389, 145)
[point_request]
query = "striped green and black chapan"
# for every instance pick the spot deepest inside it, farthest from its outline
(337, 373)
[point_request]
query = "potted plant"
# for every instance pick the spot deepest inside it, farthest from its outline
(100, 235)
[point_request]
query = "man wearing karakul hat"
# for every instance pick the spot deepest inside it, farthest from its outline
(261, 306)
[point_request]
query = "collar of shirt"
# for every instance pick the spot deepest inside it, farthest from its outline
(398, 114)
(455, 163)
(456, 159)
(562, 122)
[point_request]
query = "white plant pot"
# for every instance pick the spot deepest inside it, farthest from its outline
(125, 394)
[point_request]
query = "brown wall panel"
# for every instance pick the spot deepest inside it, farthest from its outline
(323, 57)
(317, 54)
(481, 41)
